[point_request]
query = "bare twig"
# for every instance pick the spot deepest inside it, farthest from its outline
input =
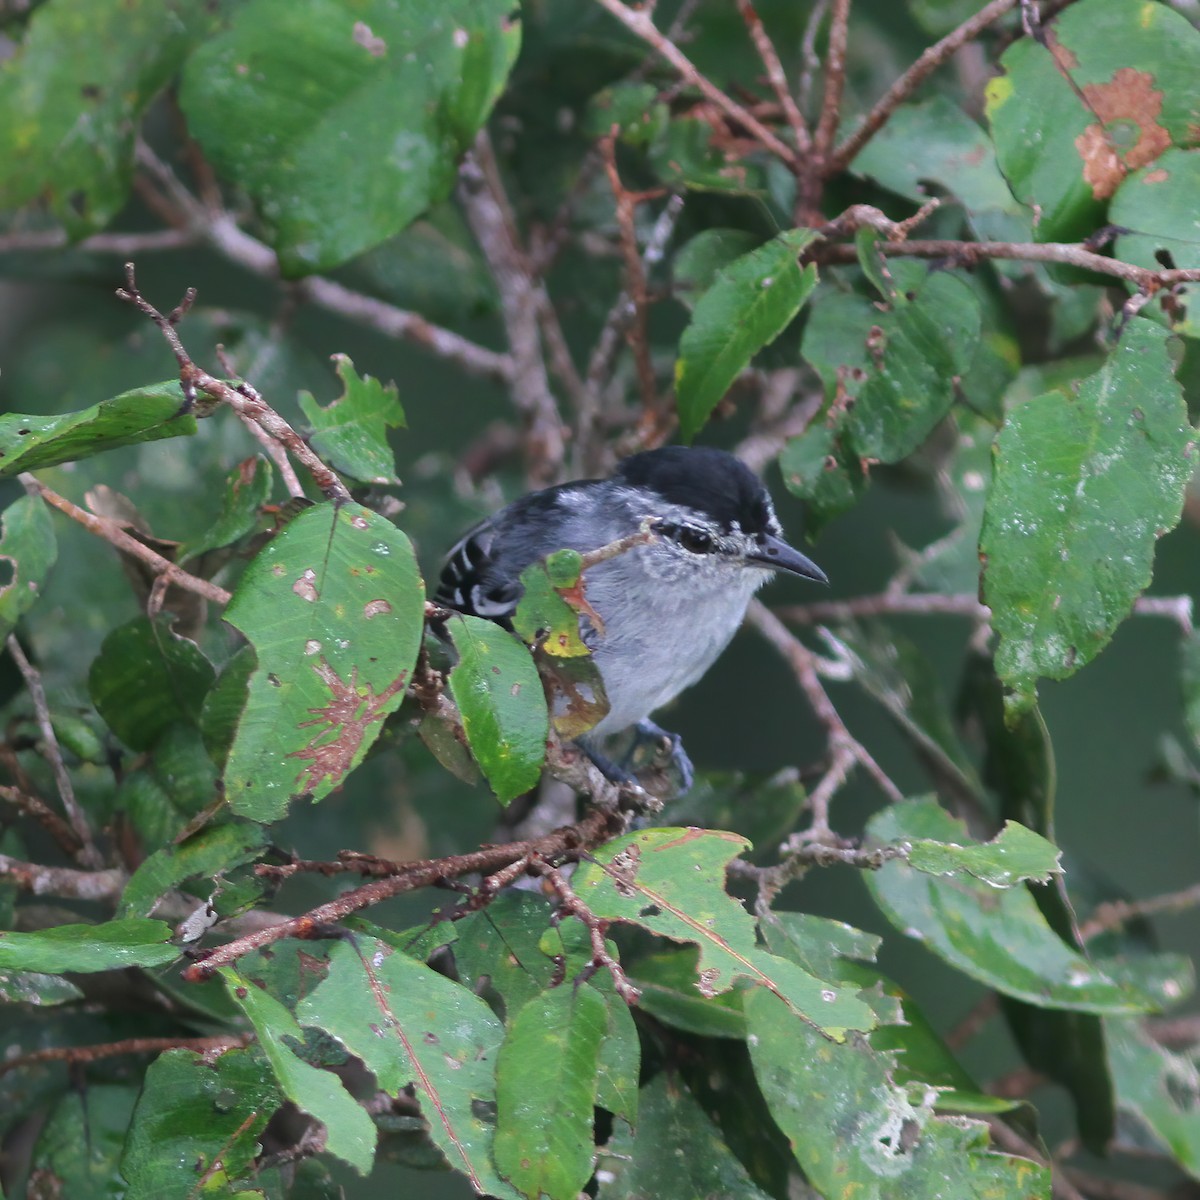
(111, 532)
(636, 333)
(809, 55)
(67, 882)
(124, 244)
(137, 1045)
(32, 806)
(1113, 914)
(569, 902)
(929, 61)
(242, 397)
(221, 231)
(959, 604)
(835, 81)
(845, 749)
(775, 75)
(640, 22)
(490, 218)
(596, 827)
(970, 254)
(88, 855)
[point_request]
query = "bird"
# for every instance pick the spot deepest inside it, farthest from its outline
(668, 607)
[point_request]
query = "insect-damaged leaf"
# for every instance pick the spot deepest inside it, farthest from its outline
(672, 883)
(27, 552)
(498, 692)
(334, 606)
(1084, 484)
(414, 1027)
(351, 431)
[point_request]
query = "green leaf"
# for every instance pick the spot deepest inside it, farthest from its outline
(247, 489)
(1156, 209)
(619, 1066)
(414, 1027)
(79, 1147)
(391, 96)
(1084, 485)
(1159, 1089)
(998, 937)
(205, 854)
(546, 1089)
(824, 472)
(899, 367)
(545, 616)
(147, 414)
(197, 1123)
(1013, 855)
(350, 1133)
(936, 141)
(497, 690)
(130, 942)
(1189, 672)
(334, 607)
(748, 306)
(34, 987)
(1114, 85)
(72, 99)
(350, 433)
(27, 552)
(697, 263)
(671, 882)
(667, 982)
(675, 1150)
(145, 679)
(858, 1134)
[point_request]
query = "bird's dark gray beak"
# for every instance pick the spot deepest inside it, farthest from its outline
(776, 555)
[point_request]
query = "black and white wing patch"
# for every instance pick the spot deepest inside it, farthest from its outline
(469, 586)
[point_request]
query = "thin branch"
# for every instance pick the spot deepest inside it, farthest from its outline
(112, 533)
(124, 244)
(596, 827)
(775, 75)
(970, 254)
(242, 397)
(1113, 914)
(980, 1013)
(835, 81)
(845, 749)
(929, 61)
(67, 882)
(221, 231)
(489, 215)
(639, 22)
(958, 604)
(33, 806)
(136, 1045)
(88, 854)
(808, 53)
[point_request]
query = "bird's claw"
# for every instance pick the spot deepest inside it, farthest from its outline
(677, 756)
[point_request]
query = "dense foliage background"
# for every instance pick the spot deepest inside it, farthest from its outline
(926, 265)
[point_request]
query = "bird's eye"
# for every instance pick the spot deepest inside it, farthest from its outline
(695, 540)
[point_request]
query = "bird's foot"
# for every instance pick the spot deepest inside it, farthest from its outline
(671, 747)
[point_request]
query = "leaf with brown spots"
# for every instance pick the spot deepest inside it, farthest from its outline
(334, 607)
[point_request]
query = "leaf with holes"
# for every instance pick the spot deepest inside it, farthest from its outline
(27, 552)
(552, 599)
(334, 607)
(1085, 482)
(28, 443)
(1112, 85)
(349, 1132)
(546, 1080)
(415, 1028)
(497, 690)
(858, 1133)
(749, 305)
(672, 883)
(350, 433)
(392, 96)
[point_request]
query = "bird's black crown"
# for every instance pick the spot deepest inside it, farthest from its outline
(711, 481)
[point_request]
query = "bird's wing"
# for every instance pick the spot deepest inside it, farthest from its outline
(469, 585)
